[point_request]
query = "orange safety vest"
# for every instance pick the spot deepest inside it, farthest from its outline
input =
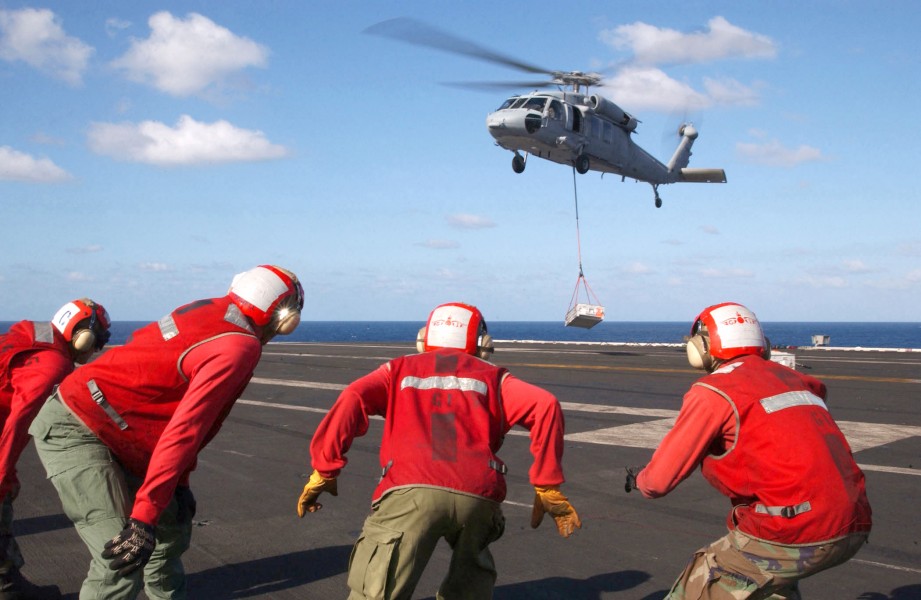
(443, 425)
(791, 475)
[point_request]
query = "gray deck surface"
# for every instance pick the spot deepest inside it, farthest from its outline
(617, 399)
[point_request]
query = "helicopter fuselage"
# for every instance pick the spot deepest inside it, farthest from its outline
(588, 132)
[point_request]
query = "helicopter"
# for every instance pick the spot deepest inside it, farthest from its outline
(568, 126)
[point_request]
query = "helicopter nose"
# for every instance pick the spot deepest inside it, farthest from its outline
(506, 123)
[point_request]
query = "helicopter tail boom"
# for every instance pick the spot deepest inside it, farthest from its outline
(677, 166)
(702, 175)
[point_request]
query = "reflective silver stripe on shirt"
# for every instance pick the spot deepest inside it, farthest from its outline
(787, 512)
(235, 315)
(100, 399)
(168, 328)
(497, 466)
(790, 399)
(43, 333)
(464, 384)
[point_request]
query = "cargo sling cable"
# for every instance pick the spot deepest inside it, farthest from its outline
(582, 315)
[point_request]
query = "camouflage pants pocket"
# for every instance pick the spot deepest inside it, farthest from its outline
(718, 572)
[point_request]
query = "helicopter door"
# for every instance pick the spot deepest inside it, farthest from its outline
(573, 118)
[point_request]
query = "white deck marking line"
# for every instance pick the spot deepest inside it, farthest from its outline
(884, 565)
(648, 434)
(316, 385)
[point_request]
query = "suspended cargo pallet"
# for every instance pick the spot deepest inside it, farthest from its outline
(584, 315)
(588, 314)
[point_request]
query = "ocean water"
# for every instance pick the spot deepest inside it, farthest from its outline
(792, 334)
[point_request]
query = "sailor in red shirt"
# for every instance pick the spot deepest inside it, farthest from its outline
(763, 437)
(446, 412)
(121, 436)
(35, 357)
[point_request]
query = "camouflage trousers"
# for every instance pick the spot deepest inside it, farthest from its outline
(739, 567)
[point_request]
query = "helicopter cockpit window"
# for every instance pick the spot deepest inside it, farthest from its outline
(555, 111)
(517, 103)
(535, 104)
(508, 102)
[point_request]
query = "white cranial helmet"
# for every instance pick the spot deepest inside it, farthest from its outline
(270, 296)
(456, 325)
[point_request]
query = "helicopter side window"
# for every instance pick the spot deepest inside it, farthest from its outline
(536, 104)
(555, 111)
(508, 103)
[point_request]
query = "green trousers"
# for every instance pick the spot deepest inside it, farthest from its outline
(97, 495)
(400, 535)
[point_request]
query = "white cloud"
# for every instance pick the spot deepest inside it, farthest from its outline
(640, 85)
(115, 25)
(656, 45)
(465, 221)
(650, 88)
(188, 57)
(729, 92)
(716, 273)
(638, 268)
(189, 142)
(439, 244)
(710, 229)
(78, 276)
(35, 37)
(18, 166)
(823, 281)
(774, 153)
(155, 267)
(88, 249)
(856, 266)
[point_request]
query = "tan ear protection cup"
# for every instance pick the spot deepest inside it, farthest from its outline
(698, 355)
(420, 341)
(288, 323)
(83, 340)
(485, 347)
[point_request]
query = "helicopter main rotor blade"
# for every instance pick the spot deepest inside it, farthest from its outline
(416, 32)
(490, 86)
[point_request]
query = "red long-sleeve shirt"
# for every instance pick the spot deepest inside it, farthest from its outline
(524, 404)
(33, 375)
(705, 425)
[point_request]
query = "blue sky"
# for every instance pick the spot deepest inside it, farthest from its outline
(151, 150)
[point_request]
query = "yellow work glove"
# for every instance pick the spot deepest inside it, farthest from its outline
(551, 500)
(316, 485)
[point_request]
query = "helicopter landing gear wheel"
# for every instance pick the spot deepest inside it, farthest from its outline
(582, 164)
(655, 190)
(518, 163)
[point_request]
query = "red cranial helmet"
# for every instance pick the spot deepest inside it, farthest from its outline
(269, 296)
(725, 331)
(456, 325)
(84, 324)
